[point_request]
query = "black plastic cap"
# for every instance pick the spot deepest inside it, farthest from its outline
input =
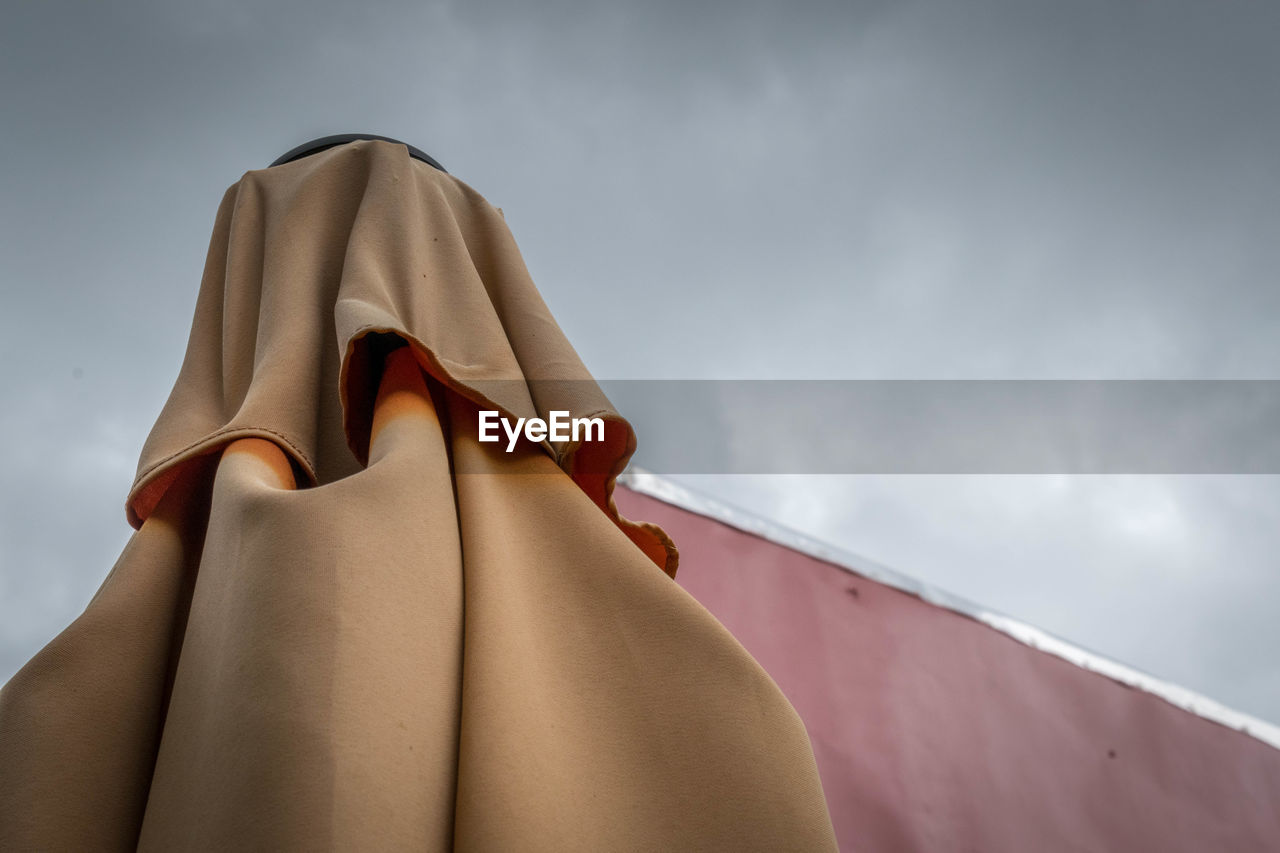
(315, 146)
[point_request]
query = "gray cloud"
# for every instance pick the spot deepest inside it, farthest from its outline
(750, 190)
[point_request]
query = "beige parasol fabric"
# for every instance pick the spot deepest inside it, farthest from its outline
(346, 623)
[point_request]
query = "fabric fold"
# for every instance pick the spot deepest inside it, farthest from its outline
(345, 622)
(357, 242)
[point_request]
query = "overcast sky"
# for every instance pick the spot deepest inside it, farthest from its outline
(831, 190)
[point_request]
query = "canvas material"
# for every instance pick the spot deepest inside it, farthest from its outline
(306, 262)
(351, 630)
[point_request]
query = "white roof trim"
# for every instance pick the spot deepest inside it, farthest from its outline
(672, 493)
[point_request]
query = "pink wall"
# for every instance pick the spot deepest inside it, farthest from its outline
(933, 731)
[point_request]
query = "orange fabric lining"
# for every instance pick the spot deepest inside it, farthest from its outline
(270, 454)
